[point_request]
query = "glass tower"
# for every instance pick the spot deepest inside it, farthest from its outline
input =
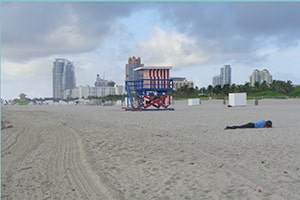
(226, 74)
(63, 77)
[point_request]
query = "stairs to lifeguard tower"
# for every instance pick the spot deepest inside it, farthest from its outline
(130, 88)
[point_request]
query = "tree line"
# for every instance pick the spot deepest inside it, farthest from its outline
(275, 89)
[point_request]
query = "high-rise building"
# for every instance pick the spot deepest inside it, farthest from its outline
(63, 78)
(260, 77)
(133, 63)
(224, 77)
(217, 80)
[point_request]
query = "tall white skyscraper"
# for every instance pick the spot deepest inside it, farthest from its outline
(226, 74)
(63, 78)
(224, 77)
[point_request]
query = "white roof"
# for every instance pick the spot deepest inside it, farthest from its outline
(153, 67)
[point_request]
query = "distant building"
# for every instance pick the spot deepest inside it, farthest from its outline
(132, 64)
(226, 74)
(63, 78)
(224, 77)
(101, 82)
(23, 97)
(102, 88)
(120, 89)
(83, 92)
(181, 82)
(260, 77)
(217, 80)
(87, 91)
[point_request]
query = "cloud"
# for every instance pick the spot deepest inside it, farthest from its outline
(225, 30)
(175, 49)
(37, 68)
(235, 30)
(267, 18)
(33, 77)
(40, 29)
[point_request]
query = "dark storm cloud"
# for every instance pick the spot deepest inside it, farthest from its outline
(225, 30)
(203, 19)
(97, 18)
(268, 19)
(33, 29)
(22, 22)
(236, 30)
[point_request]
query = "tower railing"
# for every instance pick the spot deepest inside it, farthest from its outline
(151, 84)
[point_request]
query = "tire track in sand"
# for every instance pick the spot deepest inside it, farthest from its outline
(48, 161)
(70, 168)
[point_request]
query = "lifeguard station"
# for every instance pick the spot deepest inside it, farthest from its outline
(150, 87)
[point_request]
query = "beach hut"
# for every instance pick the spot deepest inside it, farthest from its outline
(193, 102)
(237, 99)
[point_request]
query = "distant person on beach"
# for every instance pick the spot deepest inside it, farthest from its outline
(259, 124)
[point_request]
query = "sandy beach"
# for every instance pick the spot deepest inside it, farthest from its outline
(103, 152)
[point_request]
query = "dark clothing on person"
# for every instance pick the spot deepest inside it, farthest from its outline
(259, 124)
(248, 125)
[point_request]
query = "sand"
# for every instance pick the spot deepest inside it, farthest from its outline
(96, 152)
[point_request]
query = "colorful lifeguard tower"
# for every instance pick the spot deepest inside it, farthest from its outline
(150, 87)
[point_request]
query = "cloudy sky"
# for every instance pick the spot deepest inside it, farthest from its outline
(196, 38)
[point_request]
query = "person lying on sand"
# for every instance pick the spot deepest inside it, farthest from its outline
(259, 124)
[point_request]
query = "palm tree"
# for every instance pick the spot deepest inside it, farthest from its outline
(217, 89)
(210, 90)
(226, 89)
(264, 86)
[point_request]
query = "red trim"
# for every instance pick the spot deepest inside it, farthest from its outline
(150, 77)
(156, 101)
(154, 78)
(157, 74)
(168, 79)
(165, 79)
(161, 78)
